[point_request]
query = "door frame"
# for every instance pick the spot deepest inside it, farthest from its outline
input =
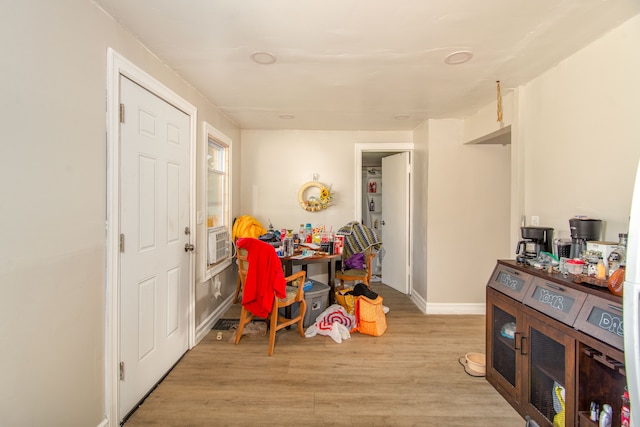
(391, 147)
(117, 65)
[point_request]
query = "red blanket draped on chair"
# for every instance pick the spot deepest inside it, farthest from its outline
(264, 277)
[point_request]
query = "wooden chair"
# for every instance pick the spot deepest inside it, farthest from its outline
(295, 293)
(353, 275)
(238, 283)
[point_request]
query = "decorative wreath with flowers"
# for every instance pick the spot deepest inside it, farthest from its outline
(315, 202)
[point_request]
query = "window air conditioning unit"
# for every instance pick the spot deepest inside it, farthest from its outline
(218, 245)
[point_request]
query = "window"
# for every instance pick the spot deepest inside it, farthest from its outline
(218, 201)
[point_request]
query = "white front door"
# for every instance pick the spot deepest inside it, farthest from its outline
(154, 220)
(395, 221)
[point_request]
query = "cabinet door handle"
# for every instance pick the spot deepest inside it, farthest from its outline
(515, 340)
(556, 287)
(613, 307)
(522, 352)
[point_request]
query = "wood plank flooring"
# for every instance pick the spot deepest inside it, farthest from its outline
(410, 376)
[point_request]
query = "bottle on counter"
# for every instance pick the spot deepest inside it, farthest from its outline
(308, 233)
(625, 410)
(301, 234)
(601, 271)
(617, 257)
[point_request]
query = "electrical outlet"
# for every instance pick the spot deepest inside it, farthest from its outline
(535, 220)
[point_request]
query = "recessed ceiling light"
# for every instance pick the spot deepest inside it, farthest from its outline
(458, 57)
(286, 116)
(401, 116)
(264, 58)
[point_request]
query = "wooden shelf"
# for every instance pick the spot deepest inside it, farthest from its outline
(585, 421)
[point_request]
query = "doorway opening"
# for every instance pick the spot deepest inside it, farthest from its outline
(392, 225)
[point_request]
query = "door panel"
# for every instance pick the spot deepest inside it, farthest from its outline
(154, 267)
(395, 221)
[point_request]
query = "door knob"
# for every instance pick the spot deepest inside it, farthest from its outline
(188, 247)
(382, 222)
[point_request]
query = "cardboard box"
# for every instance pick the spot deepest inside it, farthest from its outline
(605, 248)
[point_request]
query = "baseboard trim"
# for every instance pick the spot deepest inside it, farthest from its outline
(438, 308)
(203, 328)
(419, 302)
(103, 423)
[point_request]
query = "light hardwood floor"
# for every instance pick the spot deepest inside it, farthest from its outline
(410, 376)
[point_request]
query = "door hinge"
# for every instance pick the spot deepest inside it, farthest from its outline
(121, 371)
(121, 113)
(121, 242)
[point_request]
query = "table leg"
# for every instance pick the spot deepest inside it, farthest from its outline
(332, 279)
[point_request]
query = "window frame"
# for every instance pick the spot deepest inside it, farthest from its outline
(212, 134)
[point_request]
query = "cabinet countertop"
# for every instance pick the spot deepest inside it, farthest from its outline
(565, 281)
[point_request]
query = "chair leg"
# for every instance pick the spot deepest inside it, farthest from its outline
(303, 310)
(245, 317)
(274, 326)
(238, 288)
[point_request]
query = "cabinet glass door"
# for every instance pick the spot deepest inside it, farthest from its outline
(546, 374)
(503, 357)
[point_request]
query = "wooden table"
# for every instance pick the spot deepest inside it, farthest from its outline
(289, 261)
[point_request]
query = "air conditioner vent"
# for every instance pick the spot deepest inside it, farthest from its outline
(218, 247)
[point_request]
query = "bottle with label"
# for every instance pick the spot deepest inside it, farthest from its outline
(372, 205)
(617, 257)
(601, 272)
(308, 233)
(301, 234)
(625, 410)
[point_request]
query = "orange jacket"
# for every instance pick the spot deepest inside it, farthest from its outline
(264, 277)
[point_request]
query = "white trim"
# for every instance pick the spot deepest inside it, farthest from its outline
(118, 65)
(387, 147)
(207, 131)
(419, 302)
(205, 327)
(445, 308)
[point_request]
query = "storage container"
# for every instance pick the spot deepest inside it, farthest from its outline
(316, 298)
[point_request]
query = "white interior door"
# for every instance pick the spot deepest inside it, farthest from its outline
(395, 221)
(154, 216)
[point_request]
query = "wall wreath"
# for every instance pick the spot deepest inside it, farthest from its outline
(318, 200)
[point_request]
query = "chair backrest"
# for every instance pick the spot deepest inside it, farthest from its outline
(243, 264)
(369, 255)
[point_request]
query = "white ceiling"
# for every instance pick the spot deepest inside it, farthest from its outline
(355, 64)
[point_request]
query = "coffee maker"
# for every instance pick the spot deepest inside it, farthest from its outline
(534, 240)
(583, 230)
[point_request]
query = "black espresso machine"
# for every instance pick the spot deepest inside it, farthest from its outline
(583, 230)
(534, 240)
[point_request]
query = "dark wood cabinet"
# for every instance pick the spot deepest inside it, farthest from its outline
(546, 334)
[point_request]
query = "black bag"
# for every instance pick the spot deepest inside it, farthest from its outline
(362, 289)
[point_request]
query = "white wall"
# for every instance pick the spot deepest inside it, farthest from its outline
(420, 213)
(468, 216)
(275, 164)
(581, 135)
(53, 172)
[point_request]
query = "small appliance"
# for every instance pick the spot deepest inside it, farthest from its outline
(583, 230)
(562, 248)
(534, 240)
